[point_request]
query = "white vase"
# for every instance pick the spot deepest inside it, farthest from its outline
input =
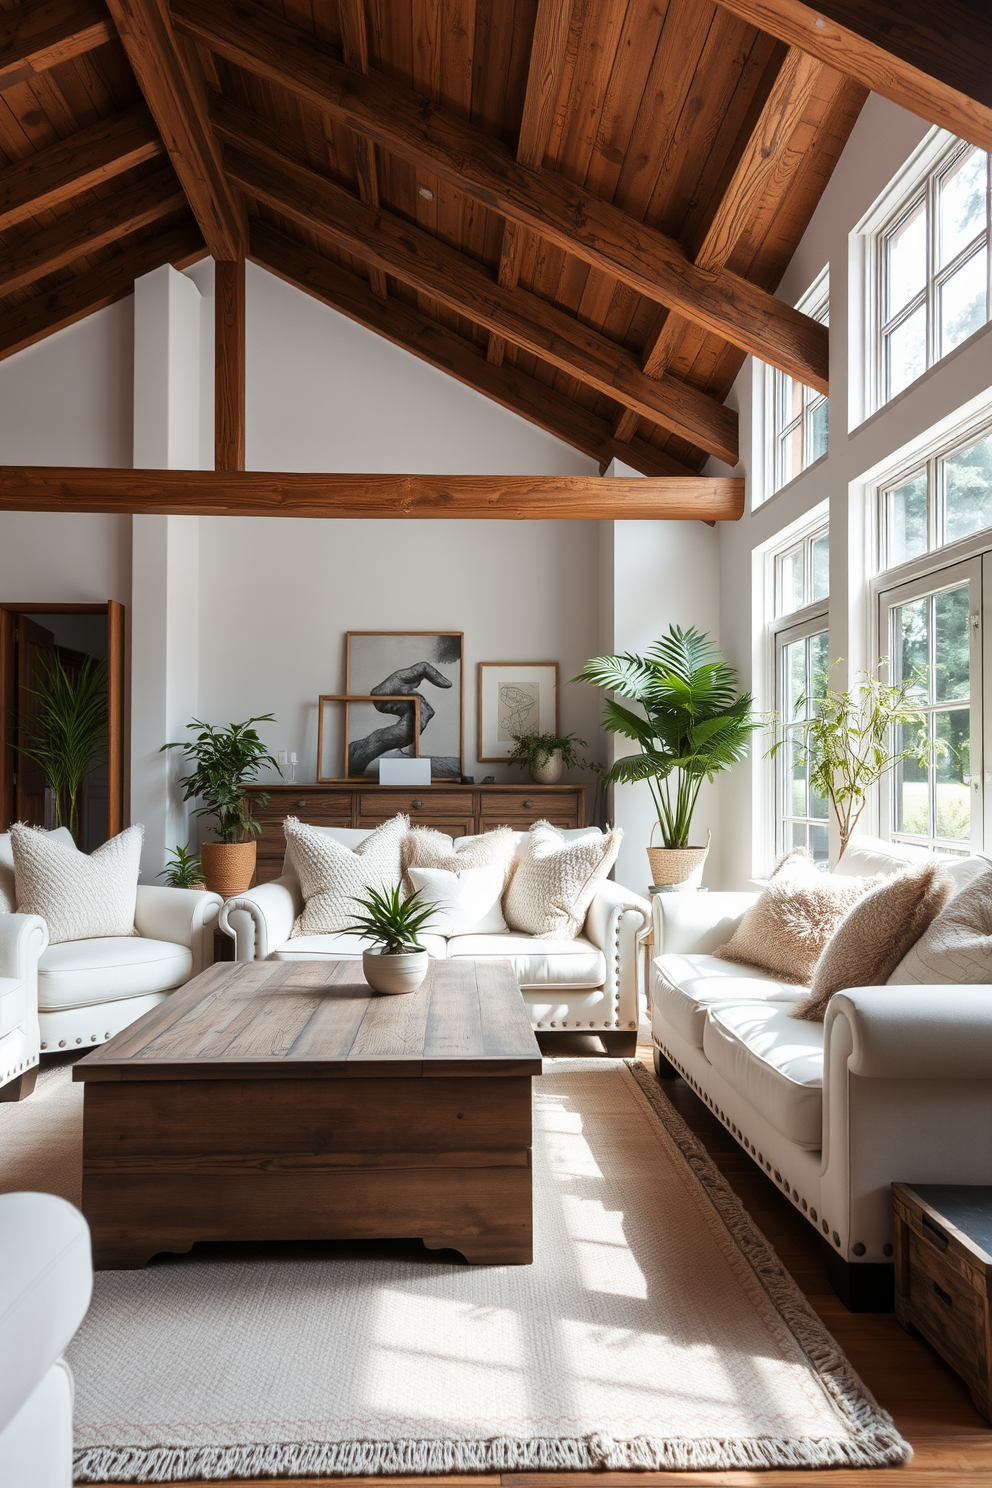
(392, 974)
(549, 771)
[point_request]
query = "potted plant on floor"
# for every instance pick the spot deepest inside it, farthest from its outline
(393, 924)
(66, 735)
(182, 870)
(693, 725)
(547, 756)
(224, 760)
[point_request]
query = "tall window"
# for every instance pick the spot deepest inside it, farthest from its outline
(797, 416)
(802, 573)
(802, 660)
(931, 269)
(943, 499)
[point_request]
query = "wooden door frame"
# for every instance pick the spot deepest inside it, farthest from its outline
(116, 766)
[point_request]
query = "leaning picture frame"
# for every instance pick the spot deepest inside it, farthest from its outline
(406, 740)
(427, 664)
(515, 697)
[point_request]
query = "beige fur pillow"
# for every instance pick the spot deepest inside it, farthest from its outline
(555, 879)
(875, 935)
(786, 930)
(957, 947)
(332, 875)
(423, 847)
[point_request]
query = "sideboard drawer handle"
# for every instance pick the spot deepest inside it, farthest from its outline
(945, 1297)
(934, 1232)
(416, 805)
(528, 805)
(299, 803)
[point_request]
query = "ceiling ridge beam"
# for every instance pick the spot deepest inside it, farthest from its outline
(407, 327)
(89, 228)
(557, 209)
(355, 52)
(427, 264)
(36, 37)
(64, 170)
(174, 89)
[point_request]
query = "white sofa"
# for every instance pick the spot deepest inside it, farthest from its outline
(23, 939)
(894, 1085)
(46, 1281)
(589, 983)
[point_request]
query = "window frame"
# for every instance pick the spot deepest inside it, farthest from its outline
(811, 623)
(816, 304)
(936, 554)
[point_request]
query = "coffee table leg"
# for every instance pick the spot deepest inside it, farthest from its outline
(482, 1250)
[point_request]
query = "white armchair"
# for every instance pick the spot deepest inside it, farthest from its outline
(23, 939)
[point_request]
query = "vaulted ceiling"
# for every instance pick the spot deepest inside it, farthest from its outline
(581, 208)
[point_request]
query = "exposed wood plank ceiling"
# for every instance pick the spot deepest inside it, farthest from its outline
(581, 208)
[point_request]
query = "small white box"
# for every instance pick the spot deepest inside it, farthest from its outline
(405, 771)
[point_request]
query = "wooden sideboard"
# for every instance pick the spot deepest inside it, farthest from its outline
(459, 810)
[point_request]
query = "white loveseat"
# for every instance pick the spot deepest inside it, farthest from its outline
(894, 1086)
(589, 983)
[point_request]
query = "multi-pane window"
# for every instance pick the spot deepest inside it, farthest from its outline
(802, 661)
(932, 270)
(798, 423)
(947, 497)
(802, 573)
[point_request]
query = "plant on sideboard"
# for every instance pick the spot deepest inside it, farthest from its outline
(393, 924)
(693, 725)
(66, 735)
(182, 869)
(224, 761)
(547, 756)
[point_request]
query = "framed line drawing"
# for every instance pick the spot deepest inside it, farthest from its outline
(515, 697)
(370, 728)
(423, 664)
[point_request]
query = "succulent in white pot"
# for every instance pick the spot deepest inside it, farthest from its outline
(399, 962)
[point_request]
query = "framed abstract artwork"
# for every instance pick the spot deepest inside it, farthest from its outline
(427, 665)
(355, 729)
(515, 697)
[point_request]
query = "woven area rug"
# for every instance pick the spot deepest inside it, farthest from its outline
(656, 1328)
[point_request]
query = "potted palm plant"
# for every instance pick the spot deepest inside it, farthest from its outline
(224, 760)
(393, 924)
(546, 755)
(693, 724)
(66, 736)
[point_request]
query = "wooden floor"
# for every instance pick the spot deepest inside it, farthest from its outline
(930, 1405)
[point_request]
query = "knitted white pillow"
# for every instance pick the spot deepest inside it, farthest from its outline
(424, 847)
(331, 875)
(957, 946)
(555, 879)
(465, 903)
(81, 896)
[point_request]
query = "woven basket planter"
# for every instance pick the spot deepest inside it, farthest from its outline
(228, 867)
(675, 865)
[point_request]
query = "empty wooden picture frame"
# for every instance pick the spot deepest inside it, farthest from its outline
(515, 697)
(356, 754)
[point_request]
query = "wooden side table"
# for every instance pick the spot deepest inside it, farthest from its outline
(943, 1265)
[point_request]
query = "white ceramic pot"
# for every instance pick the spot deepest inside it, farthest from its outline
(402, 973)
(549, 772)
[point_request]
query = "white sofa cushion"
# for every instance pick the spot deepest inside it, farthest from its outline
(82, 973)
(465, 903)
(332, 875)
(8, 895)
(15, 1003)
(344, 947)
(687, 985)
(773, 1061)
(537, 963)
(866, 856)
(79, 895)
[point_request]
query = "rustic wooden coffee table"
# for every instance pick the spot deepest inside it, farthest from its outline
(284, 1100)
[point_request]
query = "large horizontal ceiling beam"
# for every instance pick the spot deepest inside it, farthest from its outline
(407, 327)
(425, 263)
(934, 59)
(62, 171)
(220, 493)
(566, 214)
(38, 36)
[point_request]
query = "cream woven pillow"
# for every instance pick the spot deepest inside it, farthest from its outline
(80, 896)
(786, 930)
(957, 946)
(423, 847)
(331, 875)
(555, 879)
(875, 935)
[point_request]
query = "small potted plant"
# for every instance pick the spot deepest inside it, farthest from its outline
(392, 923)
(224, 760)
(547, 756)
(182, 870)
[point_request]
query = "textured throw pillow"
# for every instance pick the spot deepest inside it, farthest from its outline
(957, 947)
(555, 879)
(465, 903)
(423, 847)
(79, 895)
(786, 929)
(331, 875)
(875, 935)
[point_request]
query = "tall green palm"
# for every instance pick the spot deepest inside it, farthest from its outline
(694, 725)
(67, 736)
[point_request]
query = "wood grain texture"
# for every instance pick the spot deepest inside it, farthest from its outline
(229, 365)
(260, 493)
(36, 37)
(355, 53)
(116, 718)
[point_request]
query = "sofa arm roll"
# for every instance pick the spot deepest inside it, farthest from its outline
(924, 1033)
(23, 938)
(612, 899)
(696, 923)
(261, 920)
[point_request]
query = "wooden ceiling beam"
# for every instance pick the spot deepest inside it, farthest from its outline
(430, 266)
(255, 493)
(89, 228)
(559, 210)
(408, 328)
(547, 56)
(229, 365)
(62, 171)
(35, 37)
(933, 59)
(175, 90)
(355, 51)
(23, 325)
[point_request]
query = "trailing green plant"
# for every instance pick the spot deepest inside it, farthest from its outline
(694, 724)
(182, 869)
(850, 740)
(390, 921)
(67, 736)
(537, 749)
(224, 761)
